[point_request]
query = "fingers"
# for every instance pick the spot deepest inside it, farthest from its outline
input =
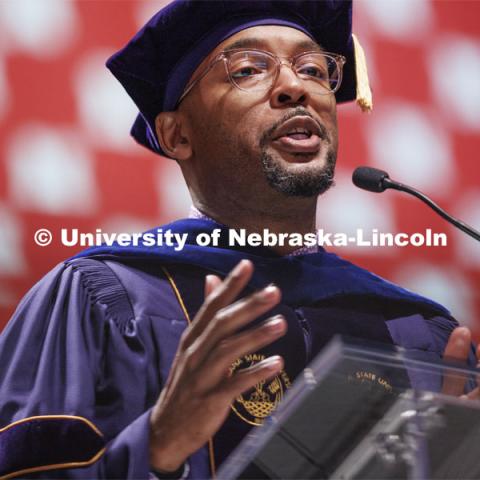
(219, 295)
(457, 349)
(220, 360)
(230, 319)
(212, 343)
(211, 282)
(228, 290)
(245, 379)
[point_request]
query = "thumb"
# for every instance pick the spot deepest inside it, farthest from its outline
(457, 349)
(458, 346)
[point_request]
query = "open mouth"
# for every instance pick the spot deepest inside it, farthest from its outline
(299, 135)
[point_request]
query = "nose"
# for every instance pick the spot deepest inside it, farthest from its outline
(288, 89)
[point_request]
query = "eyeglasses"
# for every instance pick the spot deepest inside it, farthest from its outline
(257, 71)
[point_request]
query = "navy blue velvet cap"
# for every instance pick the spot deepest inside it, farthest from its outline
(156, 65)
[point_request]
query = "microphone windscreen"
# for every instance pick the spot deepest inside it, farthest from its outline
(371, 179)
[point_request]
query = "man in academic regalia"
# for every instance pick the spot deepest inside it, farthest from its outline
(130, 362)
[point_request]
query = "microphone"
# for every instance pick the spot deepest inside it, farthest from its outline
(375, 180)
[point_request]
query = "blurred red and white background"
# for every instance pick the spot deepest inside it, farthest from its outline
(67, 161)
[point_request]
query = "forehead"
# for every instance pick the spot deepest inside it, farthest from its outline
(274, 38)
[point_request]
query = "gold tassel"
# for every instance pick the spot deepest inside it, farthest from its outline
(364, 93)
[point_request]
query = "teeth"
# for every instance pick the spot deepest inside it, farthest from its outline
(300, 130)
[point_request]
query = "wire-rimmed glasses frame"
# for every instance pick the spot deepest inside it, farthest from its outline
(338, 61)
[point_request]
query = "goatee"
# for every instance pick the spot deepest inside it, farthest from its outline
(312, 182)
(309, 183)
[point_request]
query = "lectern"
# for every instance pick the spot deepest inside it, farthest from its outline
(366, 412)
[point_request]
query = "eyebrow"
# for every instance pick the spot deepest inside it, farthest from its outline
(254, 42)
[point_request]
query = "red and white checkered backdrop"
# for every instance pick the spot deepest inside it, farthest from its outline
(67, 161)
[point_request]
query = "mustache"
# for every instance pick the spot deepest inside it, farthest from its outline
(296, 112)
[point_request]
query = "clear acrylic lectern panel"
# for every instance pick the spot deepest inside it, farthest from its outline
(366, 412)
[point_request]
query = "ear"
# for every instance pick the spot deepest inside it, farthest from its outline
(171, 136)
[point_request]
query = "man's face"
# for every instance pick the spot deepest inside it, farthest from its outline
(247, 143)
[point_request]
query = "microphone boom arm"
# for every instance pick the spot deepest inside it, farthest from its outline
(388, 183)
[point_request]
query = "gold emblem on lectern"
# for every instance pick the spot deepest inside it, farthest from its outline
(370, 378)
(261, 401)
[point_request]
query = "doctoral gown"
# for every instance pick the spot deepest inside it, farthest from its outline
(86, 354)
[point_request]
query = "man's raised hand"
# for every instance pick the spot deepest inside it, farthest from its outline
(196, 398)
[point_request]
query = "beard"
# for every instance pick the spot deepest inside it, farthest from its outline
(299, 184)
(309, 183)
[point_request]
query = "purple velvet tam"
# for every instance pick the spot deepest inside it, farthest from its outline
(156, 65)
